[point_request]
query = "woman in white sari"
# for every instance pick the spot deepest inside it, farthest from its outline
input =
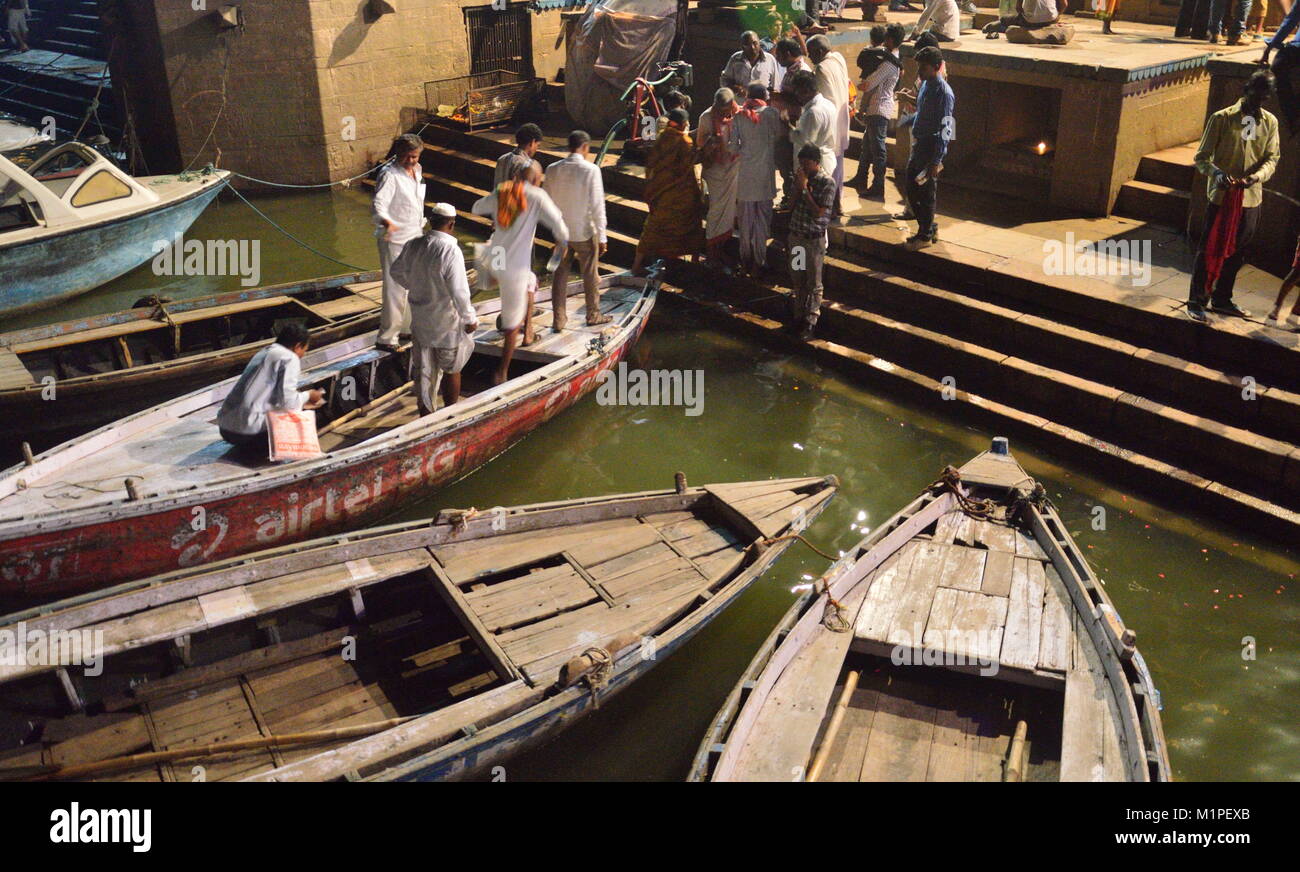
(721, 169)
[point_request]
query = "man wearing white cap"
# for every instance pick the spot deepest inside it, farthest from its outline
(443, 321)
(398, 211)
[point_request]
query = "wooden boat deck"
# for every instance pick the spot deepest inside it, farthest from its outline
(12, 372)
(130, 344)
(956, 636)
(180, 447)
(441, 616)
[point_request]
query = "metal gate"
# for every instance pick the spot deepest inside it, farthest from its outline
(500, 39)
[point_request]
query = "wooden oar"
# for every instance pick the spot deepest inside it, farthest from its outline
(1015, 766)
(132, 761)
(833, 729)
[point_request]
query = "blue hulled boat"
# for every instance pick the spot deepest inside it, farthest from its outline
(73, 220)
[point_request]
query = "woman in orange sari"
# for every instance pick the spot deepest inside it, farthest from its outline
(673, 227)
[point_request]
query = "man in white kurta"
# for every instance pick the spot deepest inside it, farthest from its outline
(577, 188)
(818, 123)
(754, 135)
(832, 75)
(718, 172)
(398, 210)
(509, 254)
(443, 319)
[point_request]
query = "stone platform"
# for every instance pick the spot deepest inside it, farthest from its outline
(1097, 104)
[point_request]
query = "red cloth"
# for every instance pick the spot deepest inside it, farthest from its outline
(752, 107)
(1222, 240)
(512, 200)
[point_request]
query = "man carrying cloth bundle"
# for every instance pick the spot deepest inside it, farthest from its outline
(443, 319)
(515, 207)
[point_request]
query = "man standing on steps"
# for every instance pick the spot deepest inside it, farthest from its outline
(1239, 152)
(757, 129)
(749, 65)
(814, 203)
(932, 126)
(832, 76)
(528, 139)
(443, 319)
(398, 211)
(576, 187)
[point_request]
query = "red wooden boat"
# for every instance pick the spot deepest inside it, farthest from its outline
(160, 490)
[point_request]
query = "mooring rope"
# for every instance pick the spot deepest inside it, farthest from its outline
(346, 181)
(833, 618)
(315, 251)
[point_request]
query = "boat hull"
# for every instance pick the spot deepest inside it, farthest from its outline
(77, 559)
(474, 755)
(45, 271)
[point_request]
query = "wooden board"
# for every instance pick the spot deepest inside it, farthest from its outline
(12, 372)
(1022, 640)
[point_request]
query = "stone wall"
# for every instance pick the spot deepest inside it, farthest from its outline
(313, 91)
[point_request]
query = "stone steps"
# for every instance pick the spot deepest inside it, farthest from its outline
(1161, 192)
(1151, 412)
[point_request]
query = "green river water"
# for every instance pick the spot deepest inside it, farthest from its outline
(1193, 589)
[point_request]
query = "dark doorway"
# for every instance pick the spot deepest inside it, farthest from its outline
(500, 39)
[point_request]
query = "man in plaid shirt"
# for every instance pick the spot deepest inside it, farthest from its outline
(814, 202)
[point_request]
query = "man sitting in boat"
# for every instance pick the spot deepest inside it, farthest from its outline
(443, 320)
(269, 384)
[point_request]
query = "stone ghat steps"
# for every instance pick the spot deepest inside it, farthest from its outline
(1022, 361)
(34, 96)
(71, 26)
(1162, 191)
(756, 311)
(1160, 378)
(985, 279)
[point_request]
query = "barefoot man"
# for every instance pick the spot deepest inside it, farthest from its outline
(516, 206)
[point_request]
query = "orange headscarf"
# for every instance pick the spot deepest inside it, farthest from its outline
(511, 202)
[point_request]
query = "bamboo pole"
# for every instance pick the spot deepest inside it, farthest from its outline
(833, 729)
(132, 761)
(1015, 767)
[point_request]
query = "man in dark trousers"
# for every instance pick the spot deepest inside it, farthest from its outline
(1239, 152)
(932, 127)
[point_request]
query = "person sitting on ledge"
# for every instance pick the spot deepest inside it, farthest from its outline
(1036, 22)
(942, 18)
(269, 383)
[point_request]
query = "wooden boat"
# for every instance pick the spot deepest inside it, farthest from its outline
(420, 650)
(971, 642)
(160, 489)
(72, 221)
(60, 380)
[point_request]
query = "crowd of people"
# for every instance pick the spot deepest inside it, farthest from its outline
(426, 295)
(780, 115)
(785, 114)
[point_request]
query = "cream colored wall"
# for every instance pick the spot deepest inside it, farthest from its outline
(313, 91)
